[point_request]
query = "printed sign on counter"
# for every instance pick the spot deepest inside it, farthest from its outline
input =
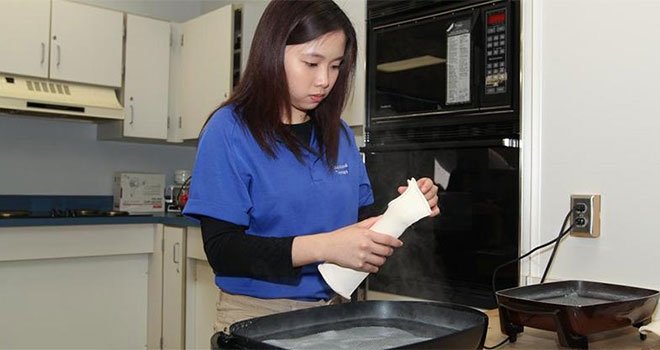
(139, 192)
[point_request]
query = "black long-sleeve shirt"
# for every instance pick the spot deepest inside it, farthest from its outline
(232, 252)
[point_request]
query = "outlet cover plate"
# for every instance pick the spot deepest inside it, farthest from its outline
(590, 215)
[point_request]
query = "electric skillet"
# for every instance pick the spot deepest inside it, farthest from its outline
(431, 325)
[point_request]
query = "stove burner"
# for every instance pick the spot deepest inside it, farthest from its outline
(86, 213)
(8, 214)
(64, 213)
(115, 213)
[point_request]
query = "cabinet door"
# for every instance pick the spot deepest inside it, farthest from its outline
(201, 292)
(155, 291)
(174, 292)
(356, 10)
(24, 37)
(207, 55)
(147, 76)
(87, 44)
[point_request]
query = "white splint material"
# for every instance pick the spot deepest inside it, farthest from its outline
(401, 212)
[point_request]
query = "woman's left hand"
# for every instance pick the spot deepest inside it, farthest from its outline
(430, 191)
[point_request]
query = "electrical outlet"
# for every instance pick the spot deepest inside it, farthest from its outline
(585, 215)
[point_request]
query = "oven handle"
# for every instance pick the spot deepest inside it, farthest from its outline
(505, 142)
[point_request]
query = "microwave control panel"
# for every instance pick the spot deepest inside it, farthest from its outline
(496, 53)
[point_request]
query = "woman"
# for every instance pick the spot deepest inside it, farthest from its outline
(278, 179)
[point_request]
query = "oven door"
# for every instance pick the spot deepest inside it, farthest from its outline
(451, 257)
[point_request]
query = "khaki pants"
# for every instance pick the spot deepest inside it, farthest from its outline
(233, 308)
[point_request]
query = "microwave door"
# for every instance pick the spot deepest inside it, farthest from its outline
(424, 66)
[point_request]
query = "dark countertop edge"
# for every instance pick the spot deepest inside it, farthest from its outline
(156, 218)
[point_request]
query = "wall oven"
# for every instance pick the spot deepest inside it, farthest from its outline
(443, 103)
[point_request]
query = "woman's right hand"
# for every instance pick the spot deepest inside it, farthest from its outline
(358, 248)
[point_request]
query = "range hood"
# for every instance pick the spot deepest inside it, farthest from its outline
(39, 96)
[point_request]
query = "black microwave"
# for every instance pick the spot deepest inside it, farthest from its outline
(441, 62)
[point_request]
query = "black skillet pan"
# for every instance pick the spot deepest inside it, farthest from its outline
(443, 325)
(574, 309)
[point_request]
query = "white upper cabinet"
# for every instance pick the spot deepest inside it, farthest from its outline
(70, 42)
(146, 87)
(206, 59)
(355, 112)
(24, 37)
(87, 44)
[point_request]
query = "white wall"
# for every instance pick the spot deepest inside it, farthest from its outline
(60, 157)
(595, 111)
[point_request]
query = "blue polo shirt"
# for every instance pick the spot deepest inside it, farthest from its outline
(235, 181)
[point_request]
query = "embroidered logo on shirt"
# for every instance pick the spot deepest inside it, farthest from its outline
(341, 169)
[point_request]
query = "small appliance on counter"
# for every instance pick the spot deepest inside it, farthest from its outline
(138, 192)
(176, 195)
(575, 309)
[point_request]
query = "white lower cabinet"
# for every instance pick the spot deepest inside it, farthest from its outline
(189, 294)
(174, 288)
(105, 287)
(201, 293)
(75, 287)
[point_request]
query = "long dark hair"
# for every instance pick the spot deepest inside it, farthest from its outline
(263, 93)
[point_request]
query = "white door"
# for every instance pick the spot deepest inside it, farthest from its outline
(174, 292)
(24, 37)
(207, 55)
(87, 44)
(146, 85)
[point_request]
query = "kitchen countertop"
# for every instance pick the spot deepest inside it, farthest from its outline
(169, 219)
(530, 338)
(45, 204)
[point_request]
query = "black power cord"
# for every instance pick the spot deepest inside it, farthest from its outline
(498, 344)
(562, 232)
(554, 249)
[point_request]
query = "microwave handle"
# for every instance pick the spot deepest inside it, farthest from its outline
(503, 142)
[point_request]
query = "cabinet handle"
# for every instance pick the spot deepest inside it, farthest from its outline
(175, 258)
(59, 54)
(43, 53)
(131, 122)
